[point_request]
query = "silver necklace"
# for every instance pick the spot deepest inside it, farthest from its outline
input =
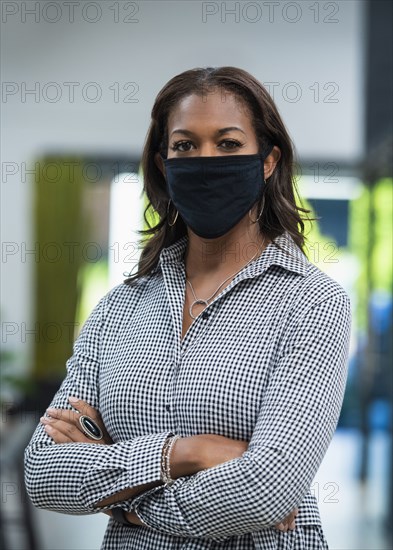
(207, 300)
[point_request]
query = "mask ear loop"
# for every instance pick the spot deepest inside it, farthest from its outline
(167, 214)
(262, 207)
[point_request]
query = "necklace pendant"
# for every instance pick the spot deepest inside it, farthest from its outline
(203, 302)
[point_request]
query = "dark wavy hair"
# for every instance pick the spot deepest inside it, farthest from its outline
(280, 214)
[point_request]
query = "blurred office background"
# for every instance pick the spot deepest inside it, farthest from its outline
(78, 82)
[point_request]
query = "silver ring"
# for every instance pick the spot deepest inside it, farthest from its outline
(90, 428)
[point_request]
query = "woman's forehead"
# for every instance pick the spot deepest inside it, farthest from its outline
(217, 107)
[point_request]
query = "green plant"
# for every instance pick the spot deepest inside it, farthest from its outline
(60, 230)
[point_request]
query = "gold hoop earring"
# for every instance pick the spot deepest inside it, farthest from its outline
(261, 211)
(167, 214)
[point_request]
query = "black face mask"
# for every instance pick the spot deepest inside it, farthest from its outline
(212, 194)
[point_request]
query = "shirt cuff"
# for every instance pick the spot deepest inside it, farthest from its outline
(122, 466)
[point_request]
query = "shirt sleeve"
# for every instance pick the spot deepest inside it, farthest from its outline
(296, 422)
(72, 477)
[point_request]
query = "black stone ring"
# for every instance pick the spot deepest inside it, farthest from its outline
(90, 428)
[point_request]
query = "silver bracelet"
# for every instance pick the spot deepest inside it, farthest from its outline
(165, 459)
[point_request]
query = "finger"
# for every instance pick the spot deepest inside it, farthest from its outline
(292, 526)
(283, 526)
(287, 520)
(64, 414)
(72, 418)
(87, 410)
(291, 516)
(70, 431)
(84, 408)
(58, 437)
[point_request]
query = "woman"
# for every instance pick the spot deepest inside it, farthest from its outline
(203, 392)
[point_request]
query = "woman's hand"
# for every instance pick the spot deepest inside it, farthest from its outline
(288, 522)
(63, 426)
(189, 455)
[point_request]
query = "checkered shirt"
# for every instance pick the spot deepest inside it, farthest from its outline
(266, 363)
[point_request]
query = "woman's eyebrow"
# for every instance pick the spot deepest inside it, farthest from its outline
(219, 132)
(230, 129)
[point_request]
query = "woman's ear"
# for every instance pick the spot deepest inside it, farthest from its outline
(159, 163)
(271, 162)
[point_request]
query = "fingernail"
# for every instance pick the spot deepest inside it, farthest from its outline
(280, 526)
(48, 428)
(73, 399)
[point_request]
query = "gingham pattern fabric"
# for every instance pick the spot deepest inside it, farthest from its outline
(266, 362)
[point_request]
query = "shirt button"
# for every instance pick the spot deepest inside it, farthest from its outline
(205, 315)
(167, 407)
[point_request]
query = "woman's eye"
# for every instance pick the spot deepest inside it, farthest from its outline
(230, 144)
(186, 146)
(182, 146)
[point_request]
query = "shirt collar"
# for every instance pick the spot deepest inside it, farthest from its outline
(282, 252)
